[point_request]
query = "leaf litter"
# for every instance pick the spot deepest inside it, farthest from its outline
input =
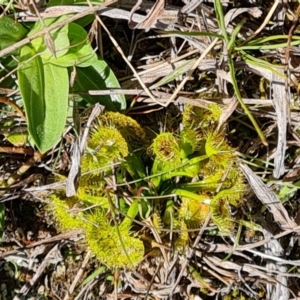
(263, 262)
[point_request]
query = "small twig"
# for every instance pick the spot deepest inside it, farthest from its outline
(25, 289)
(189, 74)
(79, 274)
(290, 35)
(190, 254)
(97, 110)
(89, 286)
(7, 101)
(59, 237)
(15, 177)
(27, 40)
(16, 150)
(47, 38)
(287, 55)
(146, 89)
(6, 9)
(265, 22)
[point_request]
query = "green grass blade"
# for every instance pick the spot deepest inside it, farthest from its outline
(94, 275)
(236, 30)
(267, 47)
(261, 63)
(270, 38)
(221, 21)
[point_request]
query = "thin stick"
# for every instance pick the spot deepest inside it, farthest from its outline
(191, 253)
(17, 150)
(7, 101)
(265, 22)
(194, 67)
(54, 26)
(79, 274)
(128, 63)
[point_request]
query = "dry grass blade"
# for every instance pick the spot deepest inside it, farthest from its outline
(125, 59)
(78, 148)
(27, 40)
(185, 62)
(78, 276)
(71, 235)
(151, 18)
(233, 13)
(268, 198)
(53, 257)
(12, 104)
(283, 115)
(265, 22)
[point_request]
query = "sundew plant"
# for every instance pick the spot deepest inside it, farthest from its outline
(174, 180)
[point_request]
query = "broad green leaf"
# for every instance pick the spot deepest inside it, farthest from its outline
(59, 36)
(44, 88)
(85, 21)
(80, 52)
(10, 32)
(18, 139)
(96, 77)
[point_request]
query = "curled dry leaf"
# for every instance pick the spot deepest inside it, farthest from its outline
(233, 13)
(282, 112)
(268, 198)
(151, 18)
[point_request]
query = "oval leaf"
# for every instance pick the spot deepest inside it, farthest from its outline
(59, 37)
(10, 32)
(80, 51)
(96, 77)
(44, 88)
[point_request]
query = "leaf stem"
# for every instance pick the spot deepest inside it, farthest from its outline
(230, 47)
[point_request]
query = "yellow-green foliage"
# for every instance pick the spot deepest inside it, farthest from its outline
(192, 116)
(182, 239)
(111, 137)
(71, 212)
(166, 149)
(189, 142)
(157, 221)
(197, 117)
(132, 132)
(220, 214)
(105, 146)
(66, 211)
(169, 213)
(215, 173)
(113, 245)
(218, 150)
(194, 212)
(195, 163)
